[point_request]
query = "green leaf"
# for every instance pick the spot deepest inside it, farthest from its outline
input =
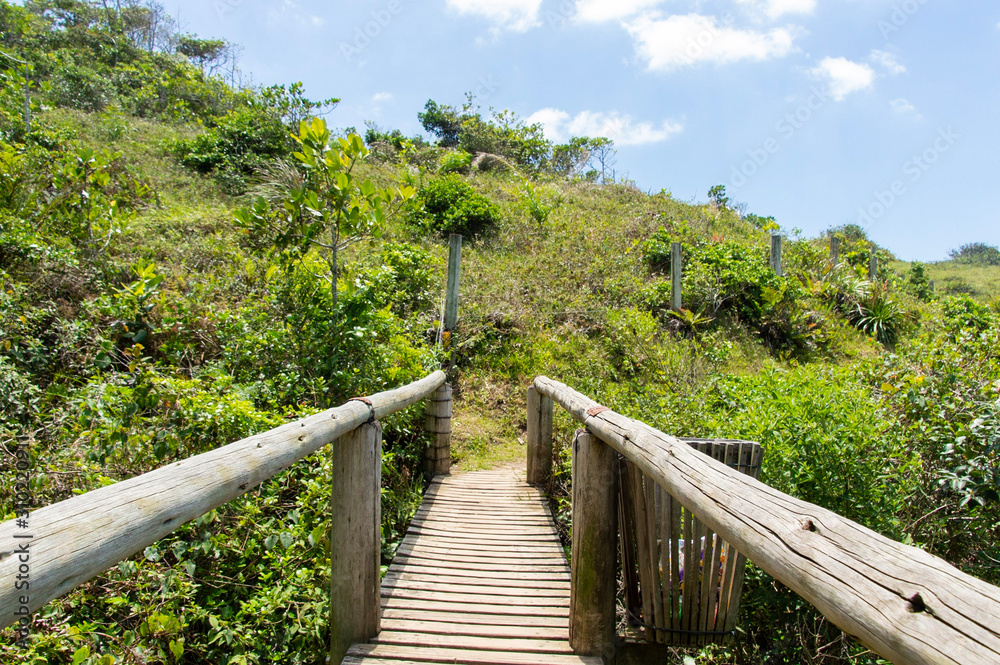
(81, 655)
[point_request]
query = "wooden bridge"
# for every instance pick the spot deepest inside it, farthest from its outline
(481, 577)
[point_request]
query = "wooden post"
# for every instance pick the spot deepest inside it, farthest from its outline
(834, 251)
(454, 272)
(437, 457)
(592, 622)
(873, 265)
(355, 540)
(776, 254)
(931, 284)
(676, 270)
(539, 437)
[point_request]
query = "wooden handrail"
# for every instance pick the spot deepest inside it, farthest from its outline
(74, 540)
(904, 604)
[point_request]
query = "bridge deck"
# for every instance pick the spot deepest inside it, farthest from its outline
(480, 578)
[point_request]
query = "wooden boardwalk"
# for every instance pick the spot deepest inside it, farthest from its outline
(480, 578)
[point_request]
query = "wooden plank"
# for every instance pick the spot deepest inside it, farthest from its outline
(512, 538)
(476, 546)
(558, 575)
(477, 608)
(472, 557)
(509, 582)
(434, 640)
(467, 657)
(463, 616)
(413, 562)
(525, 591)
(476, 630)
(452, 285)
(906, 605)
(404, 593)
(78, 538)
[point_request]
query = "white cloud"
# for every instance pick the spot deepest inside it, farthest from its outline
(902, 106)
(888, 62)
(517, 15)
(677, 41)
(620, 128)
(843, 76)
(381, 97)
(611, 10)
(774, 9)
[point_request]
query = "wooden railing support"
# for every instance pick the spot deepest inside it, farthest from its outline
(834, 251)
(908, 606)
(592, 622)
(81, 537)
(776, 241)
(539, 437)
(355, 540)
(437, 457)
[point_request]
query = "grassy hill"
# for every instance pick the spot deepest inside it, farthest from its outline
(160, 296)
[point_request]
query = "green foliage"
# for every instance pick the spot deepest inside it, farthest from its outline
(917, 280)
(506, 135)
(237, 147)
(870, 307)
(330, 209)
(450, 205)
(443, 121)
(457, 161)
(977, 253)
(717, 195)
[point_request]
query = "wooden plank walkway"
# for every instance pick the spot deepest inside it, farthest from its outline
(480, 578)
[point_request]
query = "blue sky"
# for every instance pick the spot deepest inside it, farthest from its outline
(818, 112)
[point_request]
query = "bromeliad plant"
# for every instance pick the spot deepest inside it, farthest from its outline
(326, 207)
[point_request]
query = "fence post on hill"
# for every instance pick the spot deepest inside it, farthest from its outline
(355, 541)
(776, 254)
(437, 457)
(872, 265)
(834, 251)
(593, 585)
(539, 437)
(454, 272)
(676, 272)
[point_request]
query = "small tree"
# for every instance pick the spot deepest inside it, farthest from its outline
(330, 208)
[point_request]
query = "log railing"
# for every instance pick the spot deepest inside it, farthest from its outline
(72, 541)
(904, 604)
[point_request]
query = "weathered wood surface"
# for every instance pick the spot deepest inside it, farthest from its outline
(676, 276)
(355, 558)
(469, 587)
(539, 434)
(437, 457)
(76, 539)
(452, 287)
(592, 620)
(906, 605)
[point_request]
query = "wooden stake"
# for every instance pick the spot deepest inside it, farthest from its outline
(834, 251)
(355, 540)
(539, 437)
(454, 272)
(873, 265)
(776, 254)
(594, 580)
(676, 271)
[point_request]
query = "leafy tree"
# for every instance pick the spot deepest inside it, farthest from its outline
(603, 157)
(331, 208)
(977, 253)
(717, 195)
(443, 121)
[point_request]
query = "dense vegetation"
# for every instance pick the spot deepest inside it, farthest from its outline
(184, 262)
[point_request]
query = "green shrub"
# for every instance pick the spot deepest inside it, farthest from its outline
(236, 147)
(457, 161)
(451, 205)
(977, 253)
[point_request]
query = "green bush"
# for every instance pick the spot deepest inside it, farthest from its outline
(977, 253)
(451, 205)
(457, 161)
(236, 147)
